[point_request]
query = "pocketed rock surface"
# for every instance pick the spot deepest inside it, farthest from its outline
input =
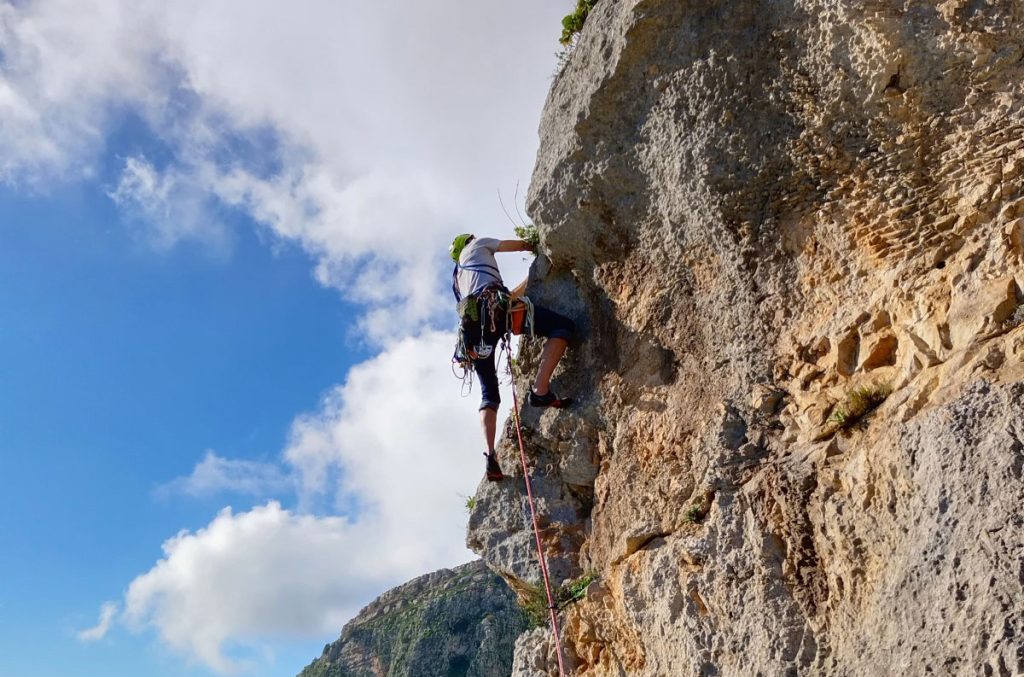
(752, 210)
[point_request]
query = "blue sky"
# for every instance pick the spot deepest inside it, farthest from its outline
(121, 366)
(222, 280)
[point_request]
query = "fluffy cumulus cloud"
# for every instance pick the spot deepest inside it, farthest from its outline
(404, 452)
(64, 65)
(245, 577)
(365, 132)
(396, 461)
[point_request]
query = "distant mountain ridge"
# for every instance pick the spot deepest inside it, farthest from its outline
(460, 622)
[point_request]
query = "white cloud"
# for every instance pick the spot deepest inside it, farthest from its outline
(396, 441)
(374, 237)
(403, 439)
(388, 126)
(102, 627)
(215, 474)
(253, 575)
(172, 205)
(64, 65)
(371, 133)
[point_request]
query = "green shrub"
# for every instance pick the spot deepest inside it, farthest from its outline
(470, 503)
(574, 590)
(859, 403)
(528, 233)
(572, 24)
(535, 605)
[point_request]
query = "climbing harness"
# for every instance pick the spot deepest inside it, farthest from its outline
(552, 607)
(469, 312)
(481, 313)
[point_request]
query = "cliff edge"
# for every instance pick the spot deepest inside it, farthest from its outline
(793, 235)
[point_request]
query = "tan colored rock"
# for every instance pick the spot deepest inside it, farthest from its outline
(847, 353)
(1014, 232)
(765, 399)
(881, 351)
(982, 309)
(738, 199)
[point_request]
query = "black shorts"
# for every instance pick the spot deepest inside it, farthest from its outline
(546, 323)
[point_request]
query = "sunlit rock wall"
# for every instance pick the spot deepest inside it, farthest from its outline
(753, 209)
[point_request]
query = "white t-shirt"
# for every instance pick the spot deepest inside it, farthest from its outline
(477, 267)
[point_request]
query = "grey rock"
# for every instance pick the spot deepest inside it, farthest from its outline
(752, 210)
(458, 622)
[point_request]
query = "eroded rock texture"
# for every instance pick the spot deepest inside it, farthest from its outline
(458, 622)
(754, 209)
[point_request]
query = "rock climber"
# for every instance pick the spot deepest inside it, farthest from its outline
(484, 302)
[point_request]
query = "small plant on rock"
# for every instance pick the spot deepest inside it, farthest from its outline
(574, 590)
(535, 606)
(529, 234)
(572, 24)
(470, 503)
(694, 514)
(859, 403)
(535, 603)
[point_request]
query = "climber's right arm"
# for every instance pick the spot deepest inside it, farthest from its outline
(514, 246)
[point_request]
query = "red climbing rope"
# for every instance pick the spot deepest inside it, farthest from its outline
(552, 608)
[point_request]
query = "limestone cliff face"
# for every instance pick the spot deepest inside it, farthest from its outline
(753, 209)
(458, 622)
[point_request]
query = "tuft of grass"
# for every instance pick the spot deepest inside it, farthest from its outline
(572, 23)
(535, 604)
(859, 403)
(575, 589)
(470, 503)
(694, 514)
(529, 234)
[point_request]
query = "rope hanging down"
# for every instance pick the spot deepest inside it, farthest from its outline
(552, 607)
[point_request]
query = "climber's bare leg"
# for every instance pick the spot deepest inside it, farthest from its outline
(554, 348)
(489, 425)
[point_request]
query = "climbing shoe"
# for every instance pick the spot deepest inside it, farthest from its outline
(494, 473)
(549, 399)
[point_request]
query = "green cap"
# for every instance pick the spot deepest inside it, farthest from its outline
(458, 244)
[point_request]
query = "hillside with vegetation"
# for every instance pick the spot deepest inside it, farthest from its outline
(458, 622)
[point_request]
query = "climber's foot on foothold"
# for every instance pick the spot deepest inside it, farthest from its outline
(494, 473)
(549, 399)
